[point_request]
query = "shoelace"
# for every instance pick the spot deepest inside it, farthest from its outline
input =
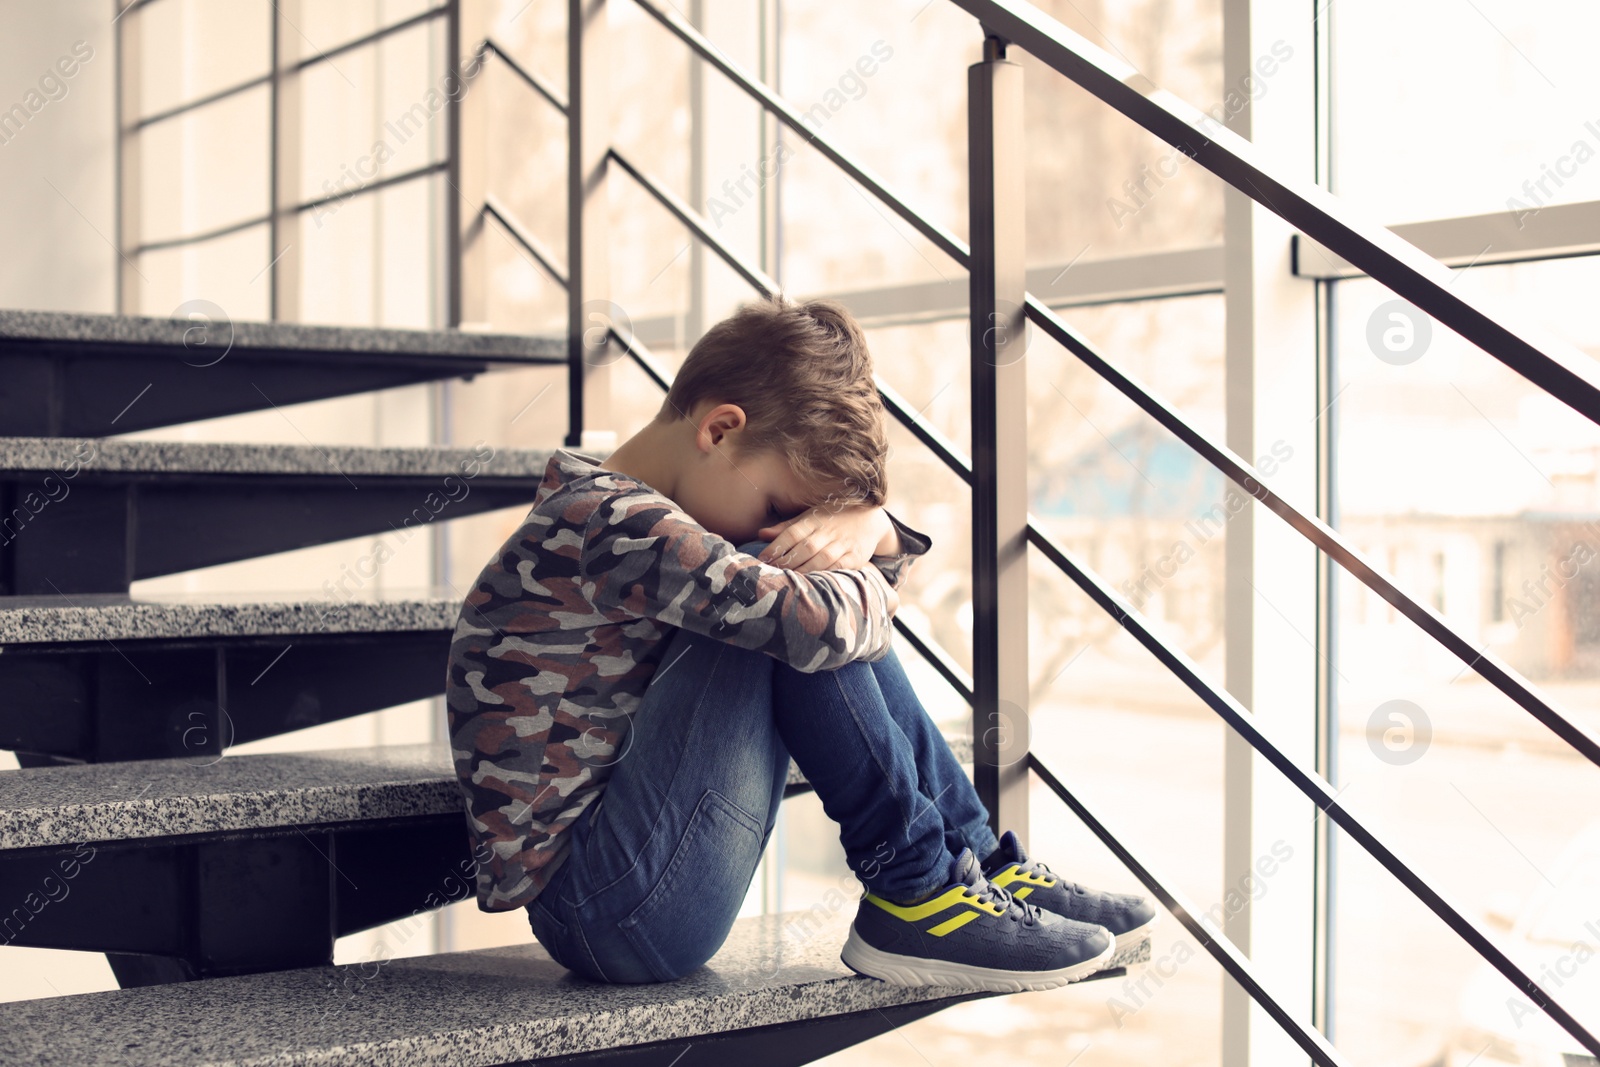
(991, 893)
(1039, 868)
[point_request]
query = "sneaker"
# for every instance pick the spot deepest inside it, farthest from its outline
(972, 935)
(1128, 917)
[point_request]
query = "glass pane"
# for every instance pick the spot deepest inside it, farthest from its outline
(413, 96)
(527, 160)
(327, 24)
(1149, 517)
(372, 262)
(536, 34)
(1099, 185)
(193, 48)
(1478, 493)
(378, 112)
(886, 82)
(228, 272)
(205, 169)
(1503, 91)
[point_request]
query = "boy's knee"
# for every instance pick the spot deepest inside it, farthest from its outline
(753, 547)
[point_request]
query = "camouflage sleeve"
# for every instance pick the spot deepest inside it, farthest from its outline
(913, 543)
(645, 556)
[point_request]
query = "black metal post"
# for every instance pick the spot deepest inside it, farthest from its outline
(452, 195)
(999, 438)
(588, 282)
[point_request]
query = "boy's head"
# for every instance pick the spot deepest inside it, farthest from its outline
(789, 387)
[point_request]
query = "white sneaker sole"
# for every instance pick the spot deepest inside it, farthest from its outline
(1132, 938)
(920, 971)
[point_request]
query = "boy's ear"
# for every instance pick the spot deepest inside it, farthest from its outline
(720, 421)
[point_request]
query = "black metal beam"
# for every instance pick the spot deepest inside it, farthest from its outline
(524, 237)
(943, 239)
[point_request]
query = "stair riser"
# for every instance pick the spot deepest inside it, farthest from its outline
(62, 392)
(193, 699)
(232, 904)
(112, 529)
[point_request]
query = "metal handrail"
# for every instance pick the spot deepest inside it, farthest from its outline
(758, 278)
(1233, 713)
(1555, 366)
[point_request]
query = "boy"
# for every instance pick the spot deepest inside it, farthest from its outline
(633, 670)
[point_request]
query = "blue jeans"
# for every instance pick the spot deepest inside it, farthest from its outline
(660, 866)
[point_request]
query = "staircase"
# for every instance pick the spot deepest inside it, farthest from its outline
(217, 884)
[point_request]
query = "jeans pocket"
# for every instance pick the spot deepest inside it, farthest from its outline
(685, 918)
(549, 928)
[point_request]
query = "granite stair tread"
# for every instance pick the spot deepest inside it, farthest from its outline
(142, 332)
(55, 619)
(52, 807)
(121, 456)
(144, 799)
(489, 1006)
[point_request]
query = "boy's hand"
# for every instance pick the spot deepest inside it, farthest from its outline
(825, 538)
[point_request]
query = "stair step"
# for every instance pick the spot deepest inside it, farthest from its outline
(88, 515)
(97, 617)
(58, 807)
(152, 460)
(234, 864)
(775, 993)
(64, 373)
(111, 677)
(101, 677)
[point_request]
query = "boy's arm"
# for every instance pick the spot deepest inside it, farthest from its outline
(645, 556)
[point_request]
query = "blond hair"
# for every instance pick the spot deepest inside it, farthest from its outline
(803, 375)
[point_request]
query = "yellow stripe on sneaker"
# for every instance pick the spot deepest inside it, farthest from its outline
(952, 924)
(1014, 873)
(949, 898)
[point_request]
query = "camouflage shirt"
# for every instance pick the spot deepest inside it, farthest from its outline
(563, 629)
